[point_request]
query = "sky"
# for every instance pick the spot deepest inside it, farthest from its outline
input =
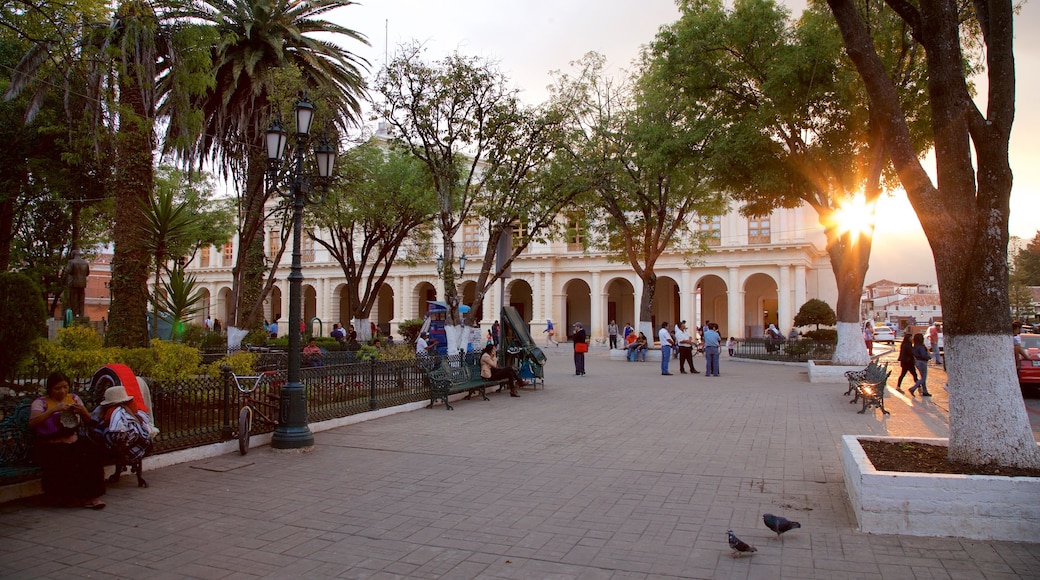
(530, 38)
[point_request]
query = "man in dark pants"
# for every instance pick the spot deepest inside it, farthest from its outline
(684, 344)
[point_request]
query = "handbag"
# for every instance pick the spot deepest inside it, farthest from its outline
(581, 347)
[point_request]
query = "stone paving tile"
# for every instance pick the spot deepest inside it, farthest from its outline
(616, 475)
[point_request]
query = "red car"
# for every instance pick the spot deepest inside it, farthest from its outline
(1029, 369)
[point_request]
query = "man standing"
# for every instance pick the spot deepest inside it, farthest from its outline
(685, 346)
(628, 331)
(424, 347)
(612, 331)
(712, 342)
(933, 340)
(666, 348)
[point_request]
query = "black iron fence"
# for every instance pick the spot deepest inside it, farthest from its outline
(205, 409)
(799, 350)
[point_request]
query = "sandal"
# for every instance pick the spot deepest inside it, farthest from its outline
(95, 504)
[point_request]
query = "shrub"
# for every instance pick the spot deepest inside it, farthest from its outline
(241, 363)
(79, 338)
(174, 361)
(824, 335)
(76, 363)
(816, 312)
(398, 352)
(368, 352)
(256, 337)
(22, 311)
(141, 360)
(409, 329)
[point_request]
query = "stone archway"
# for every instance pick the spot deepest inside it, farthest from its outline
(468, 296)
(621, 302)
(577, 306)
(519, 295)
(310, 309)
(760, 304)
(714, 304)
(667, 303)
(383, 312)
(206, 306)
(274, 299)
(220, 312)
(423, 292)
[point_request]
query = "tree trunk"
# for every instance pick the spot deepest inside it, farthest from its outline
(849, 253)
(127, 322)
(248, 273)
(966, 223)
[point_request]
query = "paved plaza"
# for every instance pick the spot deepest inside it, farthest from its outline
(618, 474)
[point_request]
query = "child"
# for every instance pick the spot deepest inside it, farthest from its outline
(731, 344)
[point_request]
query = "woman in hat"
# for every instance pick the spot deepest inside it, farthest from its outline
(126, 429)
(72, 471)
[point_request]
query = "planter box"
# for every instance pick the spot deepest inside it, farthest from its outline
(823, 371)
(980, 507)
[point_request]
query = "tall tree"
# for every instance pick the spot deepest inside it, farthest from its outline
(795, 128)
(257, 38)
(965, 213)
(1027, 262)
(447, 114)
(382, 202)
(644, 160)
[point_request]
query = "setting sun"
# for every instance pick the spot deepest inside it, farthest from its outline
(855, 216)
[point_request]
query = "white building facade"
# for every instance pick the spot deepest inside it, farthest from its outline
(759, 271)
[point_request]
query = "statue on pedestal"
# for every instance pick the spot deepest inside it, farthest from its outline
(76, 272)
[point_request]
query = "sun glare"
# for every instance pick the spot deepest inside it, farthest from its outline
(855, 216)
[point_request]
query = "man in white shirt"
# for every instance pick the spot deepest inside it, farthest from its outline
(685, 346)
(666, 348)
(424, 346)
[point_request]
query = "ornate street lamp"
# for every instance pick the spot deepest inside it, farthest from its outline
(440, 265)
(287, 179)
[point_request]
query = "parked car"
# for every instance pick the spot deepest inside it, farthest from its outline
(883, 333)
(1029, 370)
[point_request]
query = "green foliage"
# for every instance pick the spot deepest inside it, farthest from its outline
(22, 311)
(141, 360)
(76, 363)
(79, 338)
(241, 363)
(409, 329)
(817, 312)
(174, 361)
(823, 335)
(1027, 263)
(369, 353)
(256, 337)
(398, 352)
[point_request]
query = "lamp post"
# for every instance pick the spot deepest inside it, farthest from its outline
(440, 266)
(287, 179)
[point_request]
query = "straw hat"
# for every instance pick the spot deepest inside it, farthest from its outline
(116, 396)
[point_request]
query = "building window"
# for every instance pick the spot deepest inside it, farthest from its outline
(471, 245)
(307, 246)
(758, 230)
(204, 257)
(274, 242)
(710, 228)
(519, 234)
(575, 234)
(229, 254)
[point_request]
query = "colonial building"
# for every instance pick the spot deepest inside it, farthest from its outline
(759, 271)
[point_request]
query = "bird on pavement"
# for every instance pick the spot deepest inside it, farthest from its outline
(779, 524)
(738, 545)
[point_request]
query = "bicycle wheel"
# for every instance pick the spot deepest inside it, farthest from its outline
(245, 424)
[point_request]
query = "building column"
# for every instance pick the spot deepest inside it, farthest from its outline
(785, 297)
(735, 303)
(598, 303)
(553, 311)
(799, 286)
(687, 297)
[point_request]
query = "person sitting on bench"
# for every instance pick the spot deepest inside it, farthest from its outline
(489, 369)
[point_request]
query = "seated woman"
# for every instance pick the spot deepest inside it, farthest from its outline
(637, 348)
(72, 471)
(312, 354)
(489, 369)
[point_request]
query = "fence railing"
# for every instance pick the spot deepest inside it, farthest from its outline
(204, 409)
(800, 350)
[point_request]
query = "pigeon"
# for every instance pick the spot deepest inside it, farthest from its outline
(779, 524)
(738, 545)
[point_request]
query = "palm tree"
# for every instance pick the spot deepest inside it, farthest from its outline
(258, 41)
